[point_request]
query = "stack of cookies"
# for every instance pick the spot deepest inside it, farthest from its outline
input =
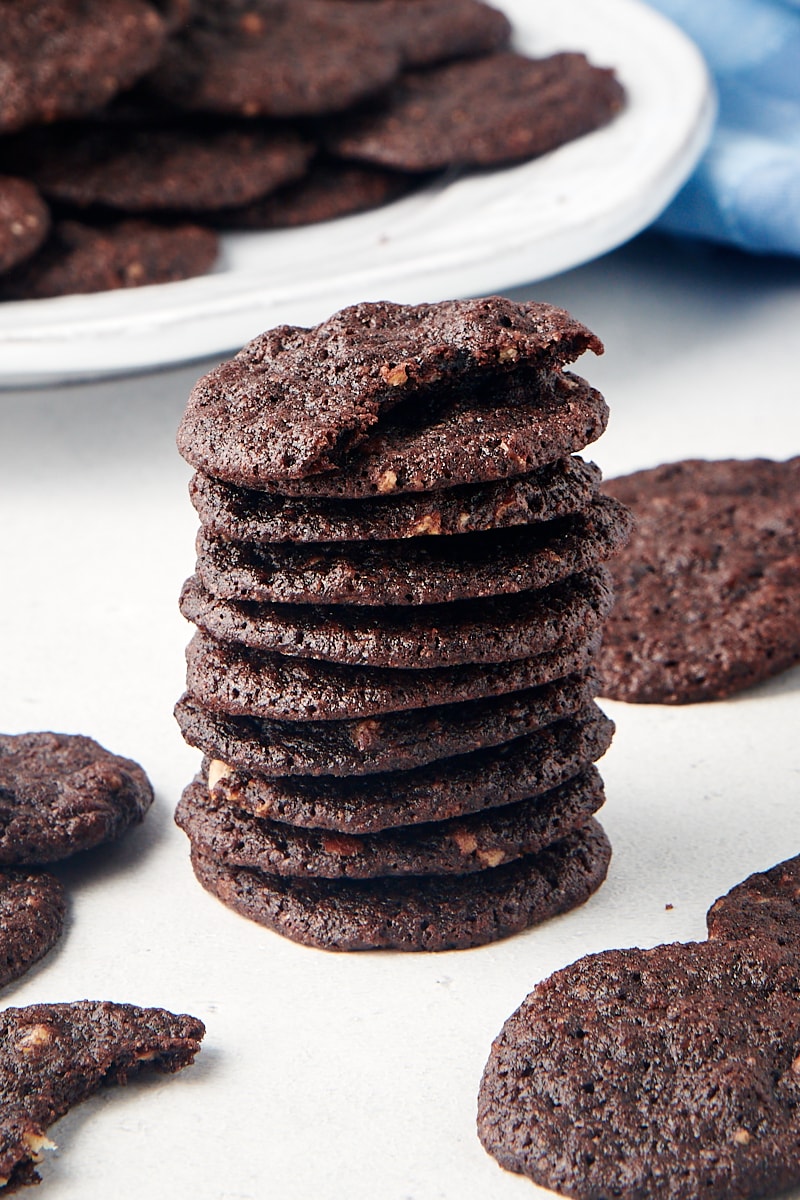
(399, 597)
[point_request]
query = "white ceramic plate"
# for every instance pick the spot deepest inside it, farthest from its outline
(475, 235)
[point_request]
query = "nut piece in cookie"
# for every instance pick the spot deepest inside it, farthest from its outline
(52, 1056)
(32, 909)
(61, 793)
(669, 1072)
(706, 589)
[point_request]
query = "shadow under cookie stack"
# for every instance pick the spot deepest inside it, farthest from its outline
(399, 596)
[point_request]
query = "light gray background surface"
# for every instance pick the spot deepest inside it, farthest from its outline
(354, 1077)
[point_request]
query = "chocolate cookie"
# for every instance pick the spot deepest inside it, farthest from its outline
(172, 166)
(431, 31)
(421, 913)
(80, 258)
(52, 1056)
(65, 58)
(275, 60)
(244, 515)
(227, 678)
(24, 221)
(491, 630)
(452, 787)
(417, 571)
(330, 189)
(707, 588)
(456, 847)
(61, 793)
(480, 113)
(511, 428)
(765, 908)
(294, 401)
(396, 742)
(32, 909)
(668, 1072)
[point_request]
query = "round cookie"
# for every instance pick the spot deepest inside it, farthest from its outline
(416, 571)
(453, 787)
(396, 742)
(244, 515)
(170, 166)
(80, 258)
(24, 221)
(511, 428)
(421, 913)
(32, 910)
(294, 401)
(490, 630)
(61, 793)
(227, 678)
(707, 587)
(480, 113)
(458, 847)
(331, 189)
(430, 31)
(65, 58)
(277, 60)
(764, 908)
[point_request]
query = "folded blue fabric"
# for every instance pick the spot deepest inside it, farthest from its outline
(746, 190)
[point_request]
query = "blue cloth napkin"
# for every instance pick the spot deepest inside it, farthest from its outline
(746, 190)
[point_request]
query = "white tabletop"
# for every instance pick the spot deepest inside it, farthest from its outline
(353, 1077)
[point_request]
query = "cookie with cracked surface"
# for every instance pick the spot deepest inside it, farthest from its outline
(667, 1072)
(707, 587)
(245, 515)
(480, 113)
(61, 793)
(227, 678)
(32, 910)
(491, 630)
(24, 221)
(456, 847)
(294, 401)
(52, 1056)
(272, 59)
(65, 58)
(79, 258)
(423, 912)
(395, 742)
(509, 428)
(453, 787)
(419, 570)
(329, 190)
(171, 166)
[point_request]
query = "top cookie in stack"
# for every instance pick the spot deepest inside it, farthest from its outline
(399, 595)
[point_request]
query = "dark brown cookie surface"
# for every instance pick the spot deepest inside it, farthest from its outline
(268, 59)
(416, 571)
(24, 221)
(491, 630)
(293, 401)
(508, 429)
(423, 913)
(431, 31)
(61, 793)
(707, 587)
(80, 258)
(669, 1072)
(244, 515)
(180, 167)
(52, 1056)
(330, 189)
(32, 909)
(452, 787)
(455, 847)
(764, 908)
(64, 58)
(480, 112)
(396, 742)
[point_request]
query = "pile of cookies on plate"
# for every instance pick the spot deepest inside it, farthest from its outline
(399, 597)
(130, 131)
